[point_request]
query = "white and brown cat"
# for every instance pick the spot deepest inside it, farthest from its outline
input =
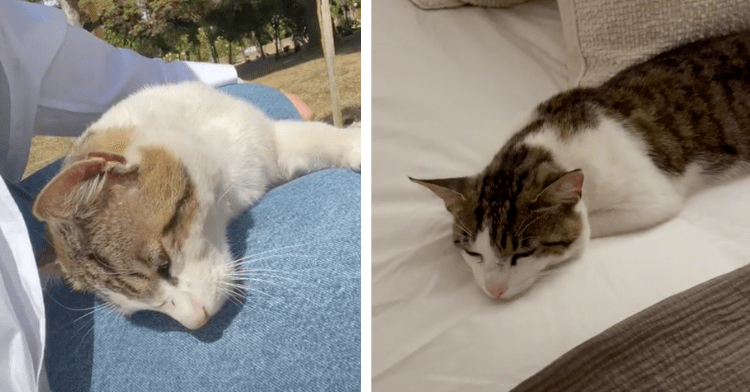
(644, 140)
(139, 212)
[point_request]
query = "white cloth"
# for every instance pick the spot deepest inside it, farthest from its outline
(61, 78)
(54, 79)
(21, 307)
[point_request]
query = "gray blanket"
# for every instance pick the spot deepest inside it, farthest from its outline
(698, 340)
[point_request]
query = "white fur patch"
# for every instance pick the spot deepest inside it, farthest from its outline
(623, 190)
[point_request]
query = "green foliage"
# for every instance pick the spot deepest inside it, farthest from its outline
(347, 13)
(194, 29)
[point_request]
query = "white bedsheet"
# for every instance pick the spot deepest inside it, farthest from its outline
(448, 88)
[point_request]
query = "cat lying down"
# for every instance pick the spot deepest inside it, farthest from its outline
(139, 211)
(601, 161)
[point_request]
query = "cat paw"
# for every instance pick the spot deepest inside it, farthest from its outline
(353, 157)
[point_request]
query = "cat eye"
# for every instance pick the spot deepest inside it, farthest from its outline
(163, 269)
(474, 254)
(558, 243)
(517, 256)
(164, 265)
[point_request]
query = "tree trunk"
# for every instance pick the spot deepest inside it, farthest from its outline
(212, 47)
(230, 53)
(259, 46)
(198, 53)
(244, 46)
(324, 16)
(276, 39)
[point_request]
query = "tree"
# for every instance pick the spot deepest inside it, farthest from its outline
(152, 27)
(313, 27)
(233, 20)
(158, 27)
(295, 18)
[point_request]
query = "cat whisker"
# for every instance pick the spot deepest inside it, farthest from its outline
(462, 225)
(83, 338)
(268, 281)
(525, 220)
(74, 309)
(261, 292)
(523, 229)
(224, 194)
(234, 294)
(279, 277)
(251, 260)
(275, 270)
(89, 313)
(282, 248)
(231, 283)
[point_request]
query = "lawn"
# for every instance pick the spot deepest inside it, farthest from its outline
(302, 74)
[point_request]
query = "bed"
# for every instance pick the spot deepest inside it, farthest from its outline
(449, 87)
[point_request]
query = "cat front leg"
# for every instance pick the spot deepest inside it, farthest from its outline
(303, 147)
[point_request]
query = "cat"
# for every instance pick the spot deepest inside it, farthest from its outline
(139, 210)
(602, 161)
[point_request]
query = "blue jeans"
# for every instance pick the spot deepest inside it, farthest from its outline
(298, 329)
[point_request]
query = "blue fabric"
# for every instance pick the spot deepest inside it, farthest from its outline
(275, 104)
(298, 329)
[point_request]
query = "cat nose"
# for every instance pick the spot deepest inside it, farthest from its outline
(497, 291)
(200, 315)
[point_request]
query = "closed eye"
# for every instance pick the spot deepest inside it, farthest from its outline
(474, 254)
(558, 243)
(164, 266)
(517, 256)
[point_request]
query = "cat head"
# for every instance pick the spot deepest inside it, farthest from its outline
(513, 221)
(133, 233)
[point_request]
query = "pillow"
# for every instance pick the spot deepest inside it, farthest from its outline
(606, 36)
(434, 4)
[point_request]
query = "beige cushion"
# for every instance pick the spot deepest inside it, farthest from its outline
(435, 4)
(605, 36)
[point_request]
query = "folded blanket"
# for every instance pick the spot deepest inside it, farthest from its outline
(698, 340)
(605, 36)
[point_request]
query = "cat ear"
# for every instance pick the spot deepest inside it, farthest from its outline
(567, 189)
(54, 199)
(451, 190)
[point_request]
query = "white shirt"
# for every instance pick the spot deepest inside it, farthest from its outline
(61, 78)
(54, 79)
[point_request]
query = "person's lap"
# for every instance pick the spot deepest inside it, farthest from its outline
(298, 328)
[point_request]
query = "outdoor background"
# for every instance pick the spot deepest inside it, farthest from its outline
(272, 42)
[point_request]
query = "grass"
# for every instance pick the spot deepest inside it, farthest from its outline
(302, 74)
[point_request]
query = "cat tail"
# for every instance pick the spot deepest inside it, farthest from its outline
(307, 146)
